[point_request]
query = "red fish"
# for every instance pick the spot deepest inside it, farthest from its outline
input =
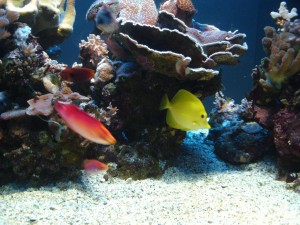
(93, 164)
(77, 74)
(84, 124)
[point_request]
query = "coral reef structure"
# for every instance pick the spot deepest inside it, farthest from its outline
(238, 139)
(134, 64)
(275, 92)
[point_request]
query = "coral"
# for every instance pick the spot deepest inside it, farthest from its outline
(65, 27)
(147, 65)
(94, 49)
(104, 71)
(141, 11)
(6, 17)
(135, 65)
(23, 71)
(275, 93)
(41, 105)
(294, 28)
(283, 15)
(191, 55)
(21, 35)
(194, 62)
(182, 9)
(12, 114)
(283, 58)
(286, 133)
(236, 139)
(280, 66)
(48, 19)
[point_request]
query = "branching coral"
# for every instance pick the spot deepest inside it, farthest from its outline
(275, 95)
(284, 57)
(92, 51)
(283, 15)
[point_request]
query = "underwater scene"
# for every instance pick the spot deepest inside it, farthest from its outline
(149, 112)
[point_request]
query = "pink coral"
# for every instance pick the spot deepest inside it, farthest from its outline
(93, 50)
(141, 11)
(42, 105)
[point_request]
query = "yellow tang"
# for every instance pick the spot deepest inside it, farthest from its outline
(185, 111)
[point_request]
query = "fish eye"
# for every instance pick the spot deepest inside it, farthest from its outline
(202, 116)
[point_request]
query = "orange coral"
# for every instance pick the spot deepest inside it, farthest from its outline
(141, 11)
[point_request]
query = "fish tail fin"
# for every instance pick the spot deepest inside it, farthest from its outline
(165, 103)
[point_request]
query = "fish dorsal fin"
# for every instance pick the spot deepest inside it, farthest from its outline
(186, 96)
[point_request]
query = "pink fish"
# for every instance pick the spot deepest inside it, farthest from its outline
(84, 124)
(93, 164)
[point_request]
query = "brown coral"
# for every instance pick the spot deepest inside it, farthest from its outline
(152, 49)
(182, 9)
(284, 60)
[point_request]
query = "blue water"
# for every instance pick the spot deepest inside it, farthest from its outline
(249, 17)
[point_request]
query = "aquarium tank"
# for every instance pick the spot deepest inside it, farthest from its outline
(99, 94)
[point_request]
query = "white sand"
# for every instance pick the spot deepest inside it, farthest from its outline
(200, 189)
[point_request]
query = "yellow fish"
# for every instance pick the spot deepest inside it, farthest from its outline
(185, 111)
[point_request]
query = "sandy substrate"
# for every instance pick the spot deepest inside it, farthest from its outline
(199, 189)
